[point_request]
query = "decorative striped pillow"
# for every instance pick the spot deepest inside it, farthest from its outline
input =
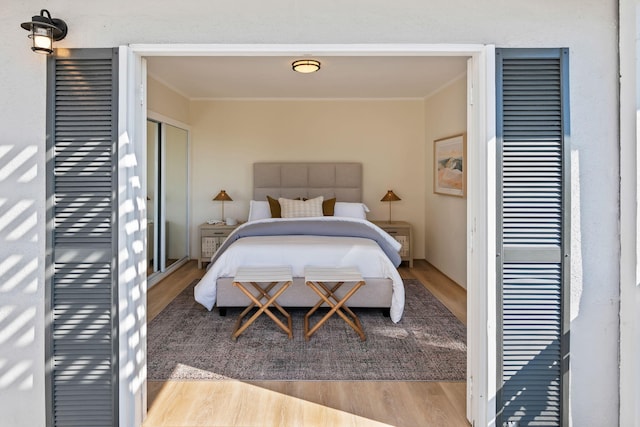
(301, 208)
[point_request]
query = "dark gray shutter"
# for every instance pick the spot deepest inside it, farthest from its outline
(81, 352)
(533, 246)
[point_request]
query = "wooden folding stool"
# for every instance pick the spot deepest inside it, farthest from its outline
(317, 278)
(263, 280)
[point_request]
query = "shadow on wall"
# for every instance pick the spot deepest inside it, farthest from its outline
(20, 288)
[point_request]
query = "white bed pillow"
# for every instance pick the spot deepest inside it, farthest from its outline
(301, 208)
(258, 210)
(351, 210)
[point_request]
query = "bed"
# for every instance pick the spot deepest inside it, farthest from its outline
(346, 238)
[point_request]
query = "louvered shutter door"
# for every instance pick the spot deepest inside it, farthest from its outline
(533, 212)
(81, 238)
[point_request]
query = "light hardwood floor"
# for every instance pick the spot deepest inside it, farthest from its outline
(308, 403)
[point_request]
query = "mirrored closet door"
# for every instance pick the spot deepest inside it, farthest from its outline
(167, 197)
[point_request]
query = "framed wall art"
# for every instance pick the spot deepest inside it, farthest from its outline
(450, 165)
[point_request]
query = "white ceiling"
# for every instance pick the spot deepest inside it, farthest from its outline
(215, 77)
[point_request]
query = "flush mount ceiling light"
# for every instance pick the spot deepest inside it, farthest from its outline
(44, 31)
(306, 66)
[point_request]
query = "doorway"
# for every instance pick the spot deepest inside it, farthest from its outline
(480, 214)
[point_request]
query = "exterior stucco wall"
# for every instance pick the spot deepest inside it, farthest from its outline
(587, 27)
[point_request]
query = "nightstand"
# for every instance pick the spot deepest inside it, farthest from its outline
(401, 231)
(211, 237)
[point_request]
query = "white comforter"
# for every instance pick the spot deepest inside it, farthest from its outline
(298, 251)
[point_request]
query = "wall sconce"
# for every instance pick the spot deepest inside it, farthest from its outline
(390, 197)
(306, 66)
(44, 31)
(222, 196)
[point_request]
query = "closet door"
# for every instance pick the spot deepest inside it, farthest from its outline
(167, 197)
(176, 192)
(81, 268)
(533, 236)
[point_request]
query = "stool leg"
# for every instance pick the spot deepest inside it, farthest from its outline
(239, 328)
(336, 307)
(307, 333)
(355, 321)
(271, 301)
(339, 307)
(265, 294)
(324, 299)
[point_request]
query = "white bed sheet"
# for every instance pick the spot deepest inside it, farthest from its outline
(299, 251)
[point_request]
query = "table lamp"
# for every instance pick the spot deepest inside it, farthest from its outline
(390, 197)
(222, 197)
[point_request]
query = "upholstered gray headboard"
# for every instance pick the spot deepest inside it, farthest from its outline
(340, 180)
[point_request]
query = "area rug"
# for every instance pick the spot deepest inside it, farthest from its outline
(187, 342)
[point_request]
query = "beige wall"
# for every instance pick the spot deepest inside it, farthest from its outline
(386, 136)
(445, 216)
(165, 101)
